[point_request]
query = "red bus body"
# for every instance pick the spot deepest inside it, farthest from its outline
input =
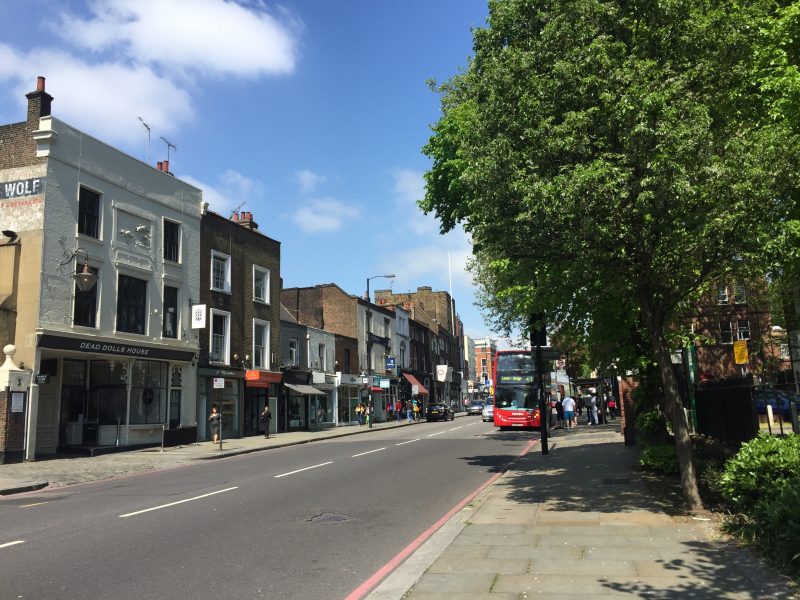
(515, 401)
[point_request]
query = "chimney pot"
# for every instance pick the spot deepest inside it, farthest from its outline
(160, 166)
(235, 216)
(165, 166)
(40, 84)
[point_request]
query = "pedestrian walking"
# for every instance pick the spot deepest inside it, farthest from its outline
(559, 414)
(360, 413)
(409, 412)
(266, 417)
(398, 408)
(592, 410)
(214, 418)
(612, 407)
(569, 411)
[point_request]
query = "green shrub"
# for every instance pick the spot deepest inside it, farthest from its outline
(660, 458)
(760, 470)
(651, 428)
(778, 520)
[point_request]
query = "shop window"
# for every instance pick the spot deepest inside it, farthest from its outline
(175, 395)
(220, 336)
(220, 272)
(260, 284)
(172, 241)
(260, 344)
(89, 213)
(149, 392)
(170, 327)
(85, 309)
(131, 304)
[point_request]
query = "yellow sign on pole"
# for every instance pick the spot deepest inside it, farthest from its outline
(740, 355)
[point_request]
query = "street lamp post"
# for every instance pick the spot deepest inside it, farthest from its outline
(368, 333)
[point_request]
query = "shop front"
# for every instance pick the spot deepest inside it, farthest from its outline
(106, 393)
(347, 398)
(225, 389)
(261, 387)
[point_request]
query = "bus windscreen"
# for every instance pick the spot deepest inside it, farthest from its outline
(514, 362)
(514, 397)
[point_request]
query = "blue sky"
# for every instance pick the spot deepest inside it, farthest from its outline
(310, 112)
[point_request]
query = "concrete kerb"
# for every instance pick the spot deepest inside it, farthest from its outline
(21, 489)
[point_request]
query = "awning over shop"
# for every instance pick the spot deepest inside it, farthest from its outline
(262, 379)
(306, 390)
(414, 381)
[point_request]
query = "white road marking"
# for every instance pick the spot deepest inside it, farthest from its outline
(408, 442)
(36, 504)
(471, 424)
(368, 452)
(459, 427)
(304, 469)
(139, 512)
(14, 543)
(437, 433)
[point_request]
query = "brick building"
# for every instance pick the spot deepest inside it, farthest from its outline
(485, 353)
(240, 346)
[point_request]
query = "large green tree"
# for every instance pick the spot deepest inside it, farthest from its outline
(610, 158)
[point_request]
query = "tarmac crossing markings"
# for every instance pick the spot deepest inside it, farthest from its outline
(303, 469)
(139, 512)
(14, 543)
(367, 452)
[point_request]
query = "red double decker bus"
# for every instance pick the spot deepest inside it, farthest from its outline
(515, 401)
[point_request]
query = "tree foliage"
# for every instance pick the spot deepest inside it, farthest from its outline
(610, 158)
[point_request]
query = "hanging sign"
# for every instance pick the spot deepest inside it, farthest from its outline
(740, 354)
(198, 316)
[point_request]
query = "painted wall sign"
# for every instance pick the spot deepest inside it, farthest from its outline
(21, 187)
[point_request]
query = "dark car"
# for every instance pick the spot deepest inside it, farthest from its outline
(439, 411)
(475, 408)
(779, 400)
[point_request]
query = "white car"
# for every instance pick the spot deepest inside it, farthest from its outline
(488, 411)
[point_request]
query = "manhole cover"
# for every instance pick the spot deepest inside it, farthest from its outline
(329, 518)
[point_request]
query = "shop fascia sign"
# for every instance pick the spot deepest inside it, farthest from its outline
(444, 373)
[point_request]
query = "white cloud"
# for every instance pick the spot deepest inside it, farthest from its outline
(212, 36)
(324, 214)
(307, 180)
(103, 99)
(408, 188)
(228, 193)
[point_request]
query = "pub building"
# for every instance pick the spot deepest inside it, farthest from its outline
(98, 269)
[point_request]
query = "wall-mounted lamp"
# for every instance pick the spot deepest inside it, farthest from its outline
(85, 280)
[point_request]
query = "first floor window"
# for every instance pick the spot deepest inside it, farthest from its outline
(293, 358)
(170, 312)
(131, 304)
(89, 213)
(722, 294)
(220, 336)
(260, 284)
(726, 332)
(85, 310)
(743, 329)
(260, 344)
(220, 271)
(322, 363)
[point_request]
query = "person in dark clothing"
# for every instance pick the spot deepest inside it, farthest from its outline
(214, 418)
(266, 417)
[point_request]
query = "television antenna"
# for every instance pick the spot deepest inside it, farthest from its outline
(236, 210)
(169, 145)
(146, 126)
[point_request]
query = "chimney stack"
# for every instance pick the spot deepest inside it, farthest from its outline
(245, 219)
(38, 103)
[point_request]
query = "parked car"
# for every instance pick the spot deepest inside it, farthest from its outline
(439, 411)
(779, 400)
(488, 411)
(475, 407)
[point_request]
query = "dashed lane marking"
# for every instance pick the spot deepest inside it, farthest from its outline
(303, 469)
(14, 543)
(408, 442)
(139, 512)
(367, 452)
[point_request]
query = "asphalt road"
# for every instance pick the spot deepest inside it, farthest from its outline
(309, 521)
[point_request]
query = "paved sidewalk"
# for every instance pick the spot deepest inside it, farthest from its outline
(579, 522)
(56, 472)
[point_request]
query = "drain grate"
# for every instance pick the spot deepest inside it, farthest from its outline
(329, 518)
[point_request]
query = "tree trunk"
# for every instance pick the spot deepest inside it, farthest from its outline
(680, 429)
